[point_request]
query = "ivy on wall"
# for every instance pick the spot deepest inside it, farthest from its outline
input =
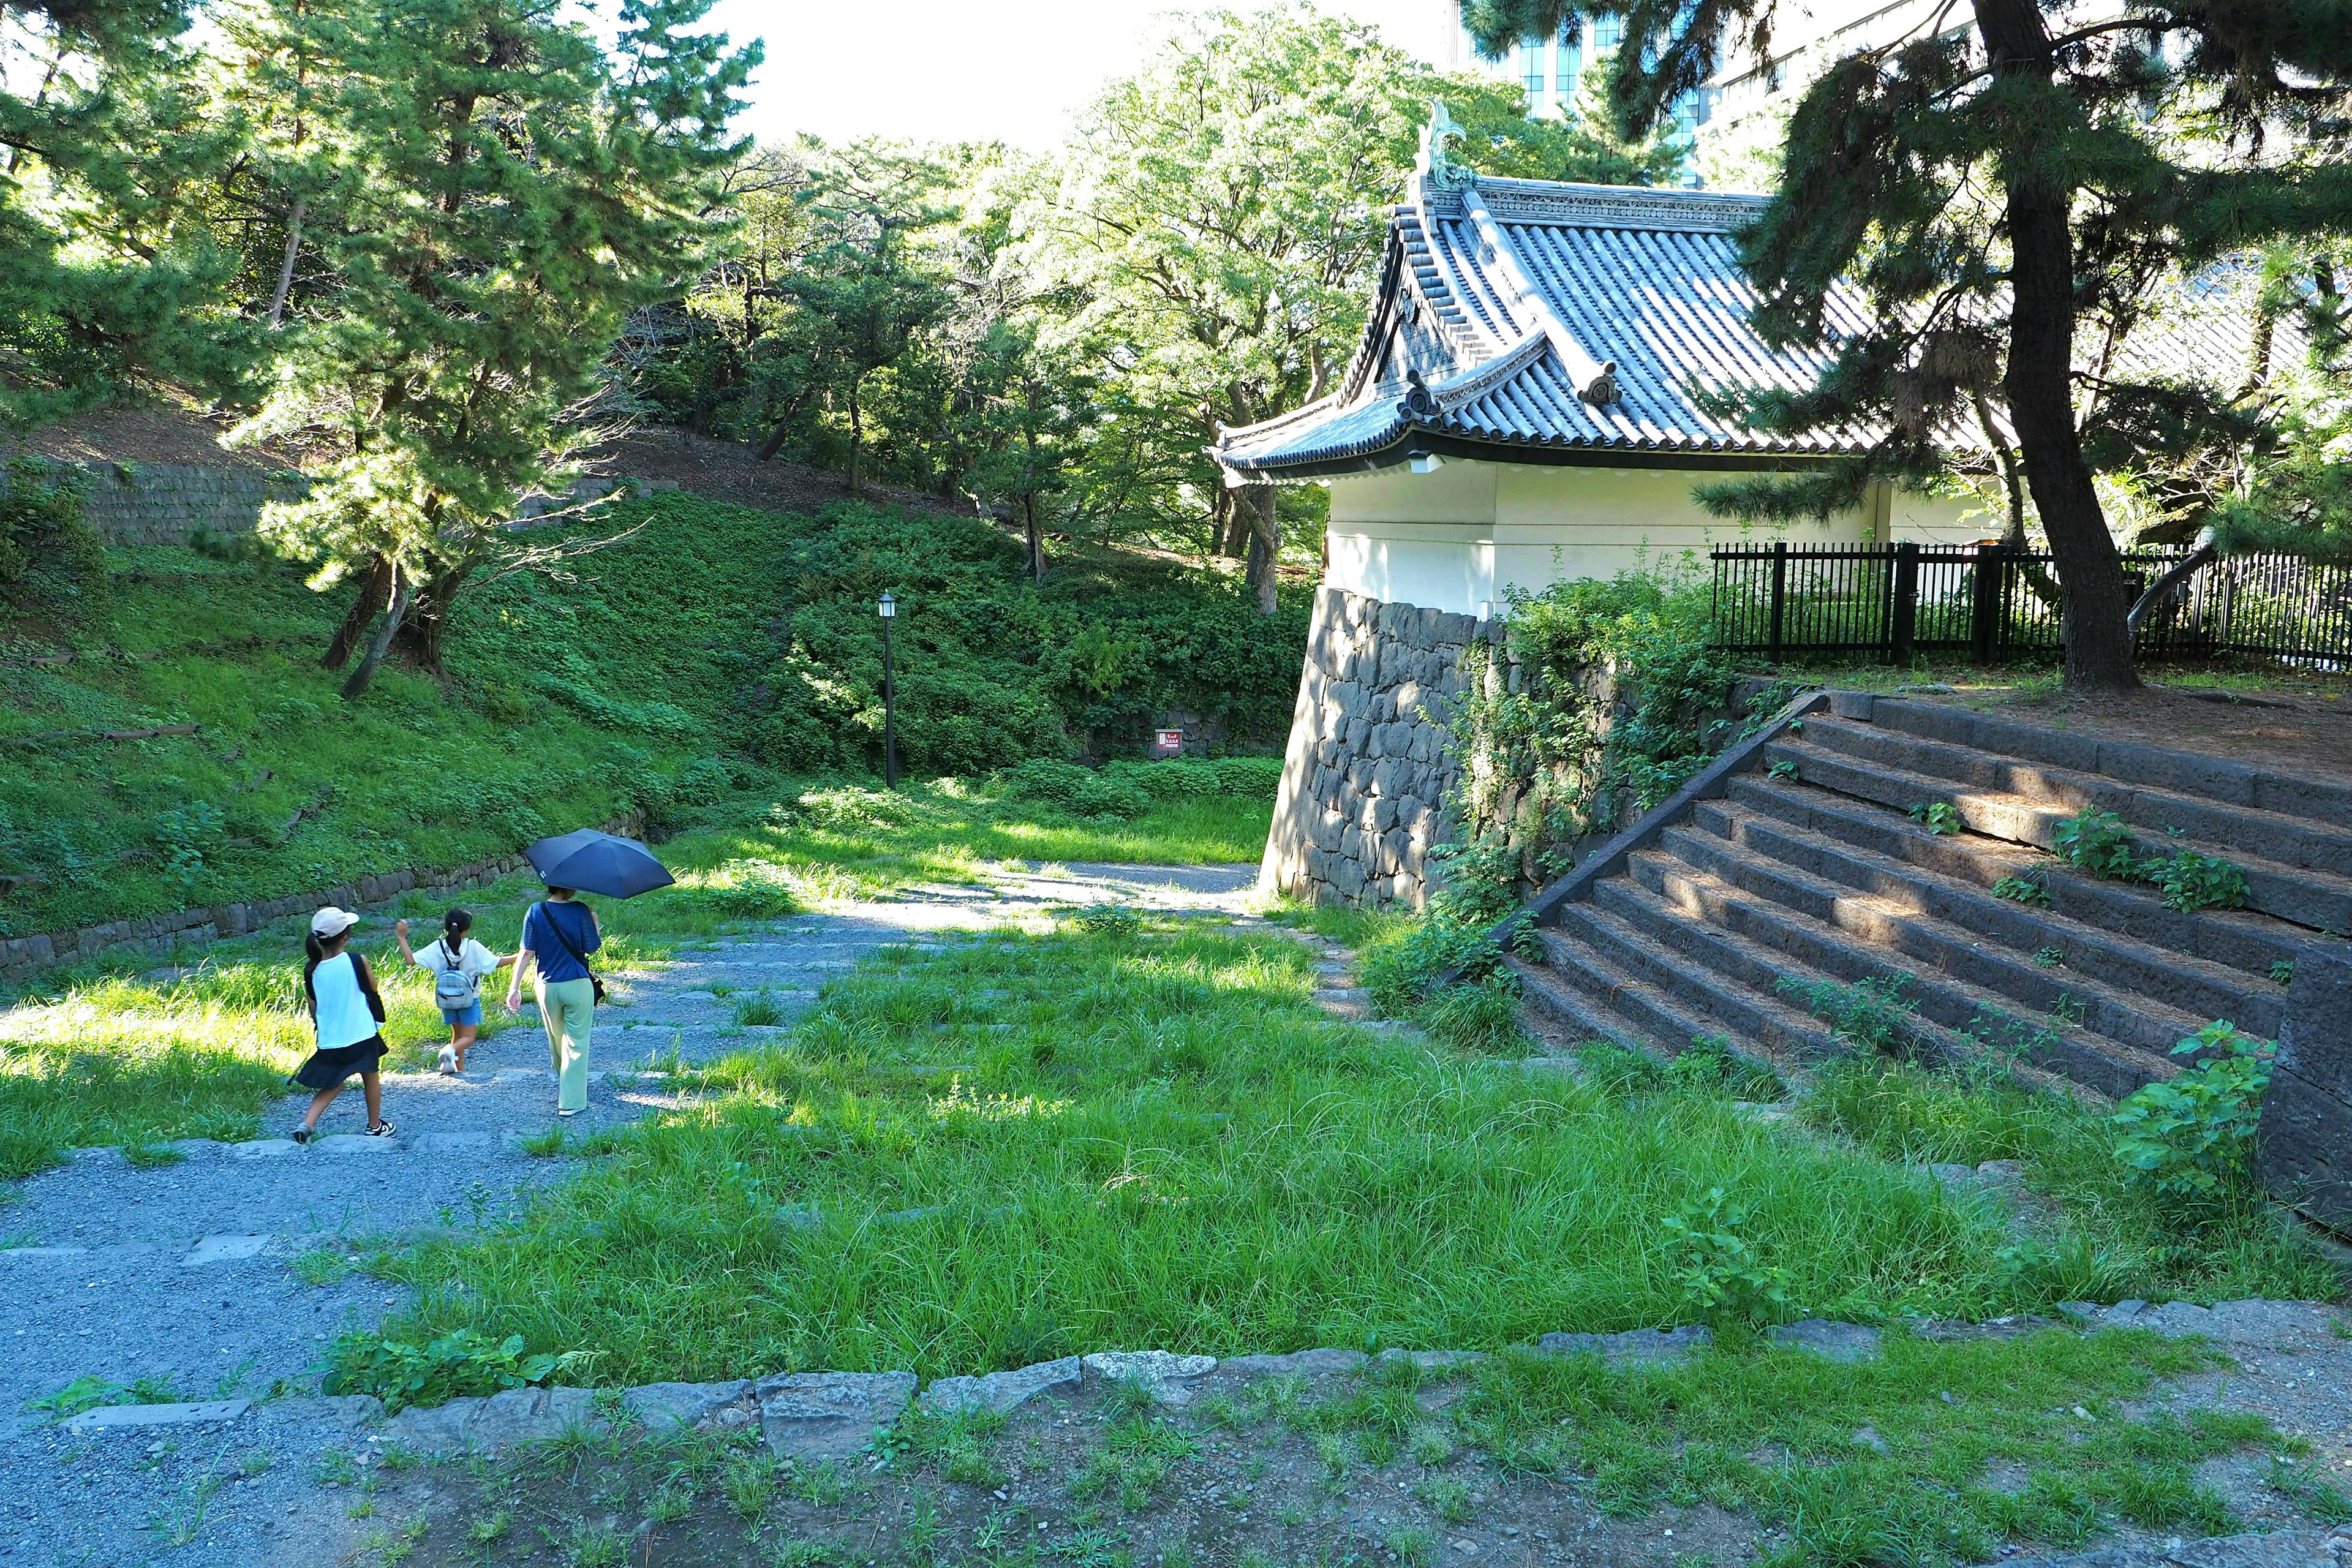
(1603, 700)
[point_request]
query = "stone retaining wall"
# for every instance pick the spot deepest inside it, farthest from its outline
(23, 957)
(1366, 777)
(172, 503)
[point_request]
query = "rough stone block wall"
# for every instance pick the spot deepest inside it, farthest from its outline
(171, 503)
(1368, 771)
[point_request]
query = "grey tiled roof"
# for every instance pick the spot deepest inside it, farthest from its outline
(1498, 302)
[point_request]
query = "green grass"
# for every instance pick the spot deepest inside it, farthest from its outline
(2123, 1236)
(1893, 1461)
(1168, 1147)
(698, 668)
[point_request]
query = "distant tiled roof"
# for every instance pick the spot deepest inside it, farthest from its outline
(1573, 323)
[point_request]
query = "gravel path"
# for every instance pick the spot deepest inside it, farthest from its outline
(183, 1274)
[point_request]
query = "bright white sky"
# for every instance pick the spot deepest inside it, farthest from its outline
(953, 71)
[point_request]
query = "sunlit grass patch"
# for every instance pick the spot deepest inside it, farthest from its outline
(121, 1064)
(1164, 1144)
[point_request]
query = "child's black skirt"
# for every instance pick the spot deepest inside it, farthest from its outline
(325, 1070)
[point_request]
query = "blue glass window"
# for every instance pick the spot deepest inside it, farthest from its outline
(1608, 32)
(1569, 61)
(1531, 66)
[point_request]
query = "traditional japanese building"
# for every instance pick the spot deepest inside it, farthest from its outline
(1525, 405)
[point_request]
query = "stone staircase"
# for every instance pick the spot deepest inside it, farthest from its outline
(1807, 871)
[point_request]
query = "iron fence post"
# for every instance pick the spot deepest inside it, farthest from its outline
(1779, 594)
(1906, 606)
(1984, 606)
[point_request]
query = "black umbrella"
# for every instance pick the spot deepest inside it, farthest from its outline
(592, 862)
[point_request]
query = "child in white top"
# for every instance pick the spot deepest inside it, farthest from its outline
(458, 963)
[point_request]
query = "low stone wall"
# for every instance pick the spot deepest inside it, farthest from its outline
(23, 957)
(1367, 774)
(172, 503)
(2304, 1144)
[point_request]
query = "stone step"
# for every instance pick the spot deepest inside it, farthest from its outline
(1760, 1024)
(2297, 794)
(2319, 900)
(1588, 997)
(2212, 941)
(1760, 942)
(1963, 930)
(2301, 842)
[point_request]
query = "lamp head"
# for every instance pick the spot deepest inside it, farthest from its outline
(887, 608)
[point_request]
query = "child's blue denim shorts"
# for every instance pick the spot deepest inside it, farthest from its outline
(471, 1013)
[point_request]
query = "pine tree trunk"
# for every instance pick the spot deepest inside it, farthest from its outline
(427, 621)
(373, 585)
(1037, 539)
(286, 266)
(1254, 504)
(364, 676)
(2040, 384)
(857, 481)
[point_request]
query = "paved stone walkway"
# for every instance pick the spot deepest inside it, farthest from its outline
(181, 1273)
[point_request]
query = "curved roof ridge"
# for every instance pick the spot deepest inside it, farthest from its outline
(1656, 208)
(1595, 380)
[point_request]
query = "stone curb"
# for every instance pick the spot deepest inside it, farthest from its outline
(835, 1415)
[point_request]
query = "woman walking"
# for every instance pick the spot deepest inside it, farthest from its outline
(348, 1014)
(456, 963)
(558, 935)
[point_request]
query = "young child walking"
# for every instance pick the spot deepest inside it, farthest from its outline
(348, 1013)
(458, 963)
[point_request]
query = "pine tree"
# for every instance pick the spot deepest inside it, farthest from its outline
(108, 275)
(2001, 194)
(490, 190)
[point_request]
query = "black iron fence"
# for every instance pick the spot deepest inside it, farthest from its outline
(1988, 603)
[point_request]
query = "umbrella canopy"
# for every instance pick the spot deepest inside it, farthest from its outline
(592, 862)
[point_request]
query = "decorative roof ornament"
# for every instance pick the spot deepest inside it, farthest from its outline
(1437, 172)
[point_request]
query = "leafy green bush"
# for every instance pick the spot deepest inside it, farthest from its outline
(1937, 817)
(1082, 792)
(459, 1363)
(1722, 1274)
(2098, 842)
(1115, 921)
(1125, 789)
(1401, 973)
(42, 529)
(2191, 881)
(748, 890)
(2026, 889)
(2188, 1135)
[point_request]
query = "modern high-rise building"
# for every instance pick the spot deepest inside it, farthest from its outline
(1807, 36)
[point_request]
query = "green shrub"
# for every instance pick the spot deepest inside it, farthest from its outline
(1402, 973)
(1081, 792)
(42, 531)
(2026, 889)
(459, 1363)
(1116, 920)
(1722, 1274)
(1937, 817)
(2098, 842)
(2191, 881)
(2188, 1135)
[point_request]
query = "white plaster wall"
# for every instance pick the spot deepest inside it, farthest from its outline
(1456, 539)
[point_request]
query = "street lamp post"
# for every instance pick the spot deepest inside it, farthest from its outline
(889, 610)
